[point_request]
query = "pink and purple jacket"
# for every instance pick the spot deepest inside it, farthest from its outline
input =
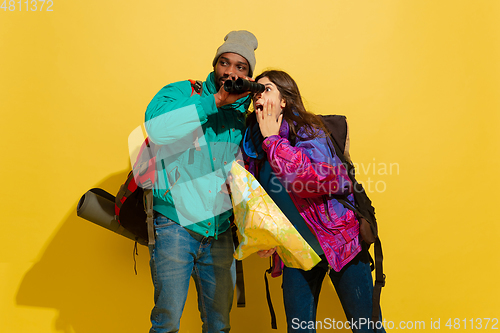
(310, 173)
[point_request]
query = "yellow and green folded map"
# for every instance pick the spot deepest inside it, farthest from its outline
(263, 226)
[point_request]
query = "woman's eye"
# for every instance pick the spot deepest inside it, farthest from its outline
(268, 88)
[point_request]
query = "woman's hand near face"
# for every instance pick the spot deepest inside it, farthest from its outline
(269, 119)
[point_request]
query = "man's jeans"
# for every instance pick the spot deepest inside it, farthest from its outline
(354, 287)
(179, 254)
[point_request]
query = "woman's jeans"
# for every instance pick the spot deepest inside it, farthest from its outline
(354, 288)
(177, 255)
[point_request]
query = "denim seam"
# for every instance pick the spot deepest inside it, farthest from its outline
(155, 279)
(201, 299)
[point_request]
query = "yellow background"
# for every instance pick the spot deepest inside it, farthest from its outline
(419, 81)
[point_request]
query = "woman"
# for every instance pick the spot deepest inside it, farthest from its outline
(286, 148)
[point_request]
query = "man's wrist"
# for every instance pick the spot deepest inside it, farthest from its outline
(269, 135)
(217, 100)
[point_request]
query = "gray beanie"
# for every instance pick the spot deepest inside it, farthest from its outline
(241, 42)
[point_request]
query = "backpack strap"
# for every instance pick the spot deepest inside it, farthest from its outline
(148, 207)
(240, 282)
(347, 143)
(268, 294)
(275, 269)
(379, 280)
(196, 87)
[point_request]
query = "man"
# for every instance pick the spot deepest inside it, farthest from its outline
(199, 136)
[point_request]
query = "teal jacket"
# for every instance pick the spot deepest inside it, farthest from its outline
(198, 142)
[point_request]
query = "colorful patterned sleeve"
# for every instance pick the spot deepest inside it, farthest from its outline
(308, 169)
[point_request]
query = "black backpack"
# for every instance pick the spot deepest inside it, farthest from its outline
(363, 208)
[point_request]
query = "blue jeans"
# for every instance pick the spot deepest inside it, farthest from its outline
(354, 287)
(177, 255)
